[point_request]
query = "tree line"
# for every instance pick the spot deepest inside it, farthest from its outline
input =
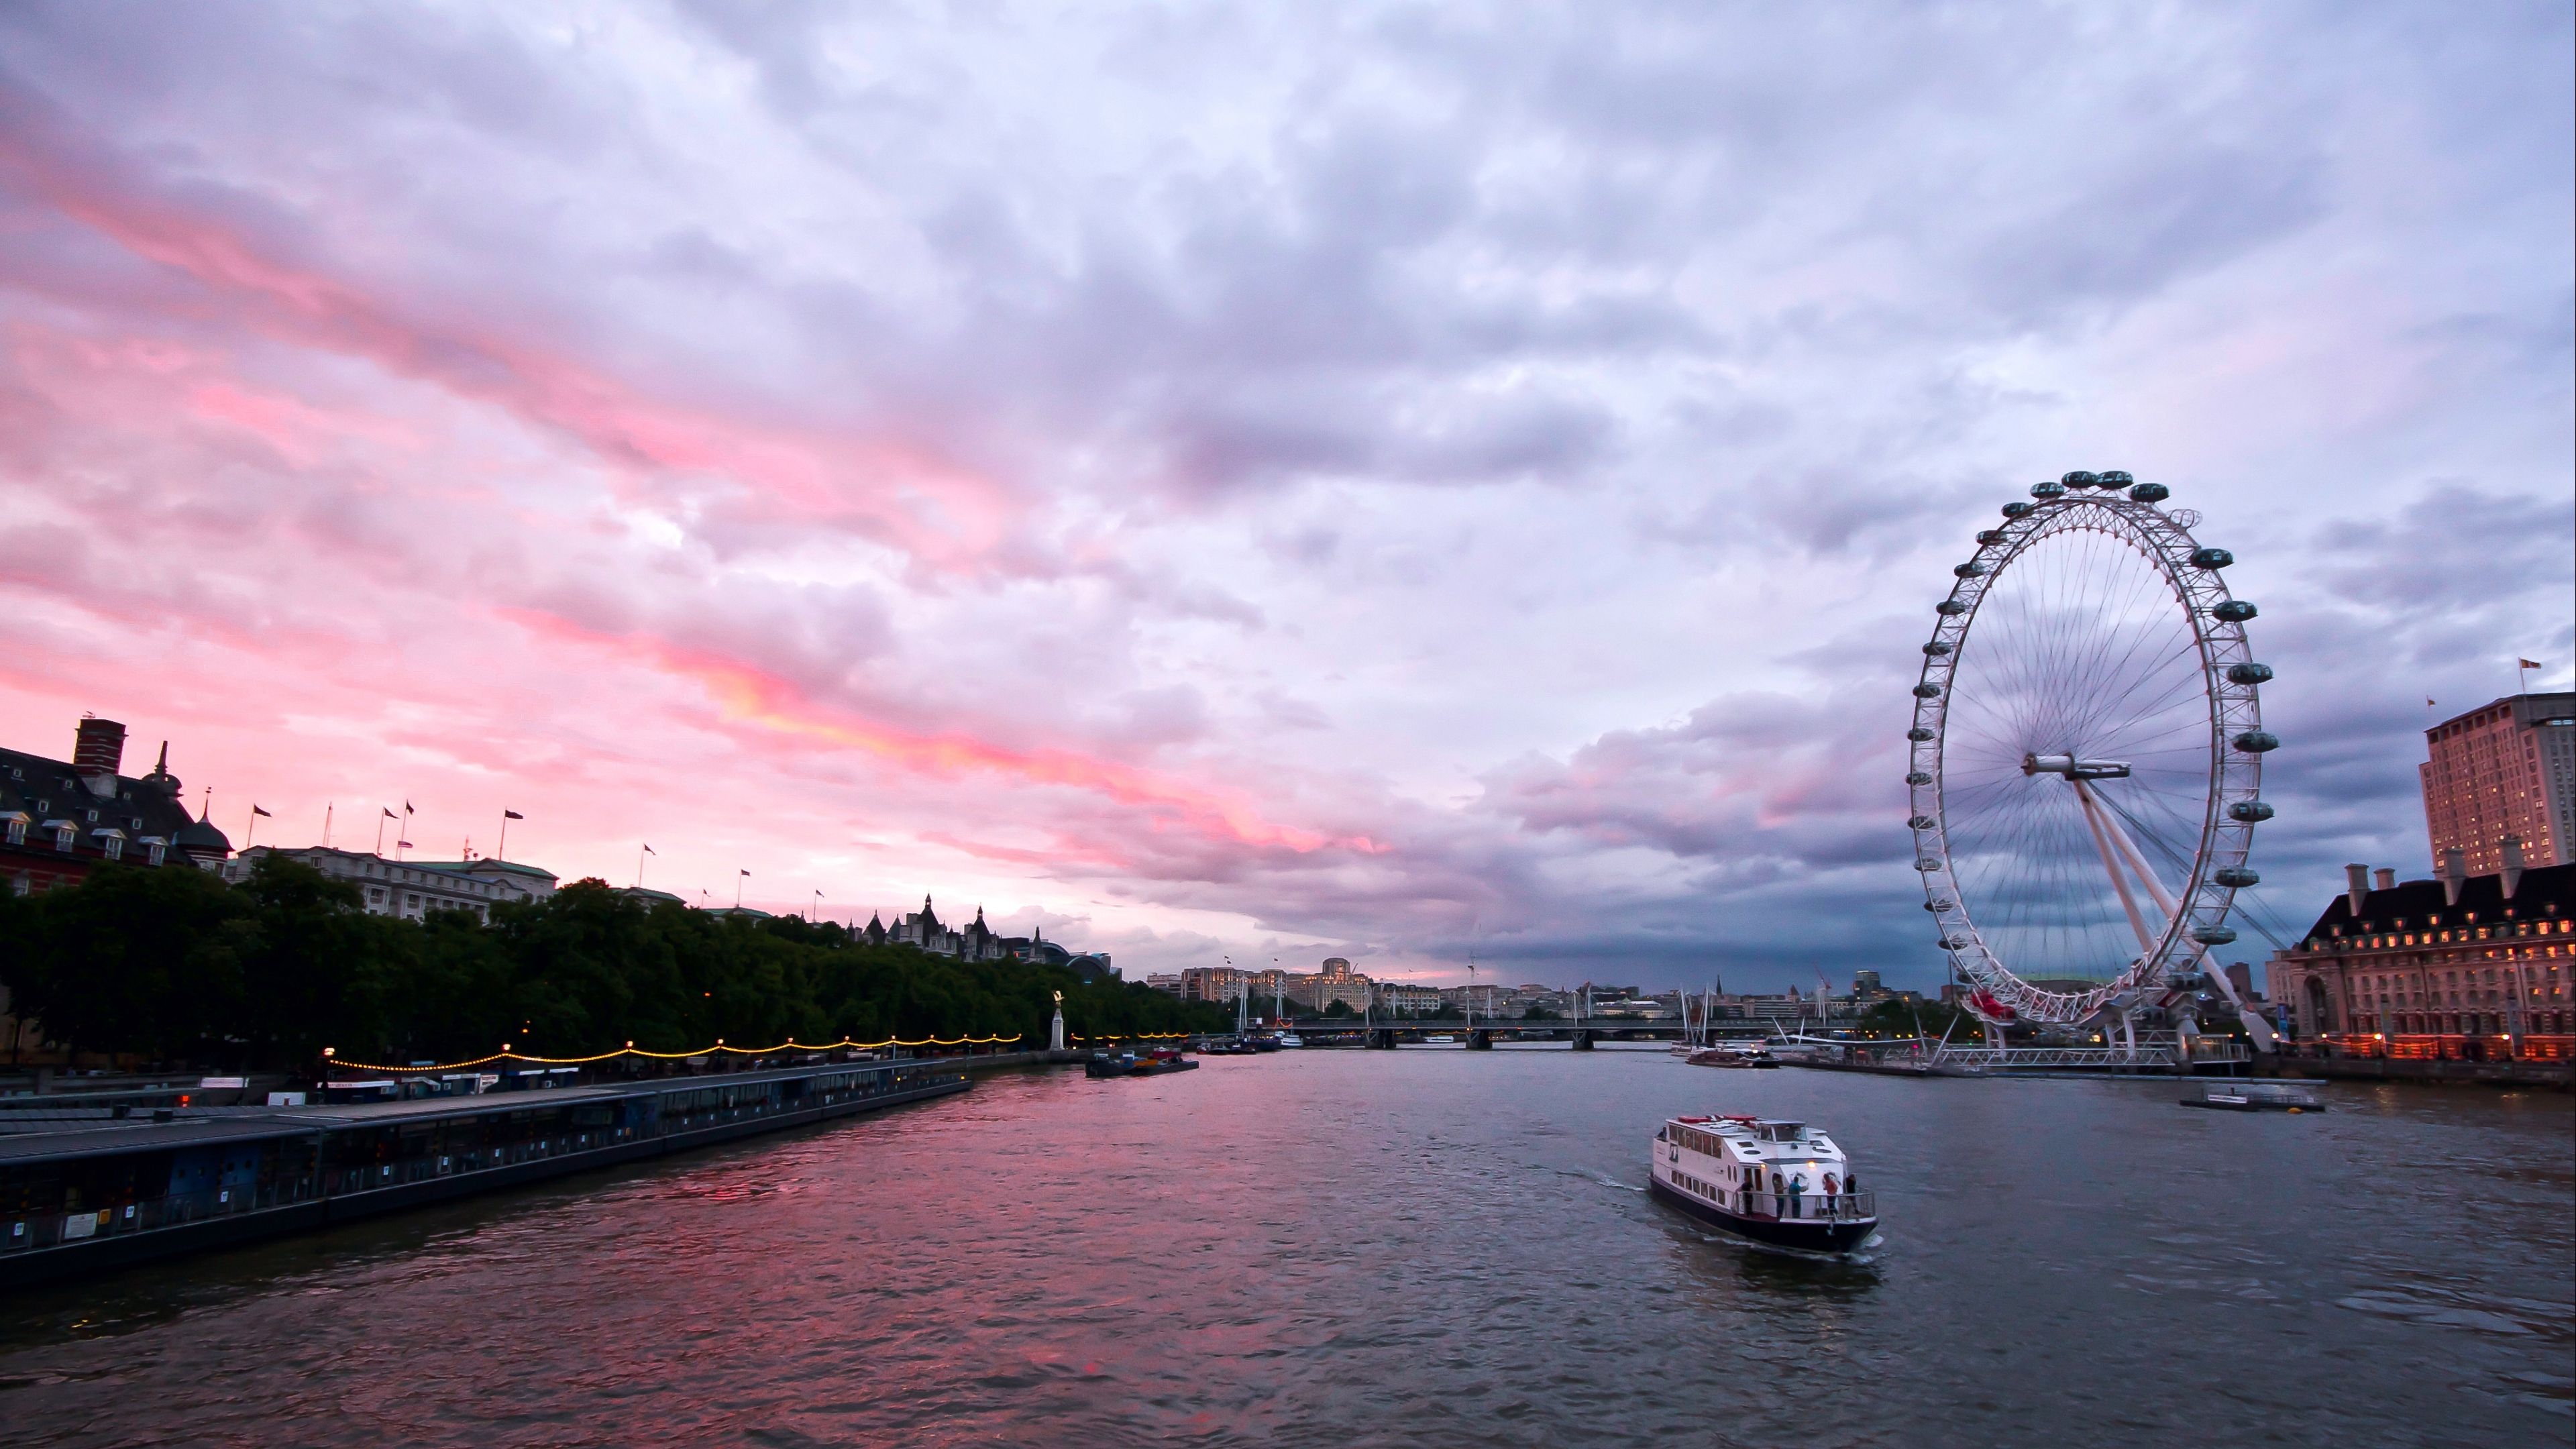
(175, 965)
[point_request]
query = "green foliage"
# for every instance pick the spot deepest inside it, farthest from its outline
(172, 964)
(1897, 1019)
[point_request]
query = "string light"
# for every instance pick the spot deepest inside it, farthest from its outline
(505, 1054)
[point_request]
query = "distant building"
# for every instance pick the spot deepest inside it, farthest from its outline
(61, 818)
(1333, 981)
(1164, 981)
(517, 882)
(1225, 983)
(922, 929)
(407, 889)
(2506, 769)
(1406, 999)
(1035, 947)
(2463, 957)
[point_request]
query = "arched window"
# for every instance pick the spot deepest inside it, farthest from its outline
(2321, 1013)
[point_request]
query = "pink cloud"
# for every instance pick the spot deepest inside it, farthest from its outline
(881, 487)
(750, 695)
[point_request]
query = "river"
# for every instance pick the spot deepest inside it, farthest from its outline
(1415, 1247)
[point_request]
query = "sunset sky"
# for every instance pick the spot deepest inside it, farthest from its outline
(1253, 480)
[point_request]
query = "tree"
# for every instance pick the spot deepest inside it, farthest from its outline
(171, 961)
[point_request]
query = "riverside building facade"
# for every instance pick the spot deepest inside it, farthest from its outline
(2503, 770)
(410, 889)
(60, 819)
(2465, 966)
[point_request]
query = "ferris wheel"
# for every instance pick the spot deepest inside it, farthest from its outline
(2087, 760)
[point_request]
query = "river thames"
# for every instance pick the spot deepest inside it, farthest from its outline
(1416, 1247)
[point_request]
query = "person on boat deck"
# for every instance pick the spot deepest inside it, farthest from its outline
(1797, 1189)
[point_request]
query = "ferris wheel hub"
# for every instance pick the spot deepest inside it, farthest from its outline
(2073, 768)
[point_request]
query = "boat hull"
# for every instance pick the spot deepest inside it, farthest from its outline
(1812, 1237)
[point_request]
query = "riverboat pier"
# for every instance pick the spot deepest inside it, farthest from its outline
(94, 1197)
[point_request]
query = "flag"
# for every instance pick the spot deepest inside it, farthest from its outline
(255, 810)
(648, 850)
(512, 815)
(2530, 664)
(389, 815)
(742, 872)
(405, 845)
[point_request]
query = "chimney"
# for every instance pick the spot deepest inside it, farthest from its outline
(2384, 878)
(97, 750)
(2455, 874)
(2356, 882)
(2512, 864)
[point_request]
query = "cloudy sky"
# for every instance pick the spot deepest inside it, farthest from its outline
(1252, 480)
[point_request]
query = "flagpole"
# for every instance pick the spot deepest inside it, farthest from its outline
(326, 825)
(253, 832)
(639, 869)
(382, 815)
(504, 852)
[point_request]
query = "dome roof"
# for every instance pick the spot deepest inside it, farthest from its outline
(201, 835)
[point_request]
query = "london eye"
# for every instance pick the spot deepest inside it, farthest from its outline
(2086, 762)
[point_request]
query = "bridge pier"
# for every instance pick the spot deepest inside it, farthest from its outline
(1582, 1041)
(1382, 1039)
(1480, 1041)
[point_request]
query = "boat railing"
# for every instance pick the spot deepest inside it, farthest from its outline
(1806, 1207)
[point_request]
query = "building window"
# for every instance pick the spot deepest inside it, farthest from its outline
(114, 845)
(17, 830)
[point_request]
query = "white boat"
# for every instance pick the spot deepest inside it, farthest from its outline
(1782, 1183)
(1291, 1039)
(1734, 1054)
(1440, 1039)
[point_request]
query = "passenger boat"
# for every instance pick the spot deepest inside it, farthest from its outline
(1291, 1039)
(2244, 1096)
(1781, 1183)
(1734, 1054)
(1154, 1063)
(1440, 1038)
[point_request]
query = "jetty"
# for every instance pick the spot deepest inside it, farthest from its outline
(80, 1198)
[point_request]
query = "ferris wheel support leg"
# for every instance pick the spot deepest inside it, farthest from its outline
(2104, 829)
(2257, 1029)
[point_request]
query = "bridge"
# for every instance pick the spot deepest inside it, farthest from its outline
(1482, 1033)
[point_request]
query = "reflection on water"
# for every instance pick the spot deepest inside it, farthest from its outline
(1413, 1247)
